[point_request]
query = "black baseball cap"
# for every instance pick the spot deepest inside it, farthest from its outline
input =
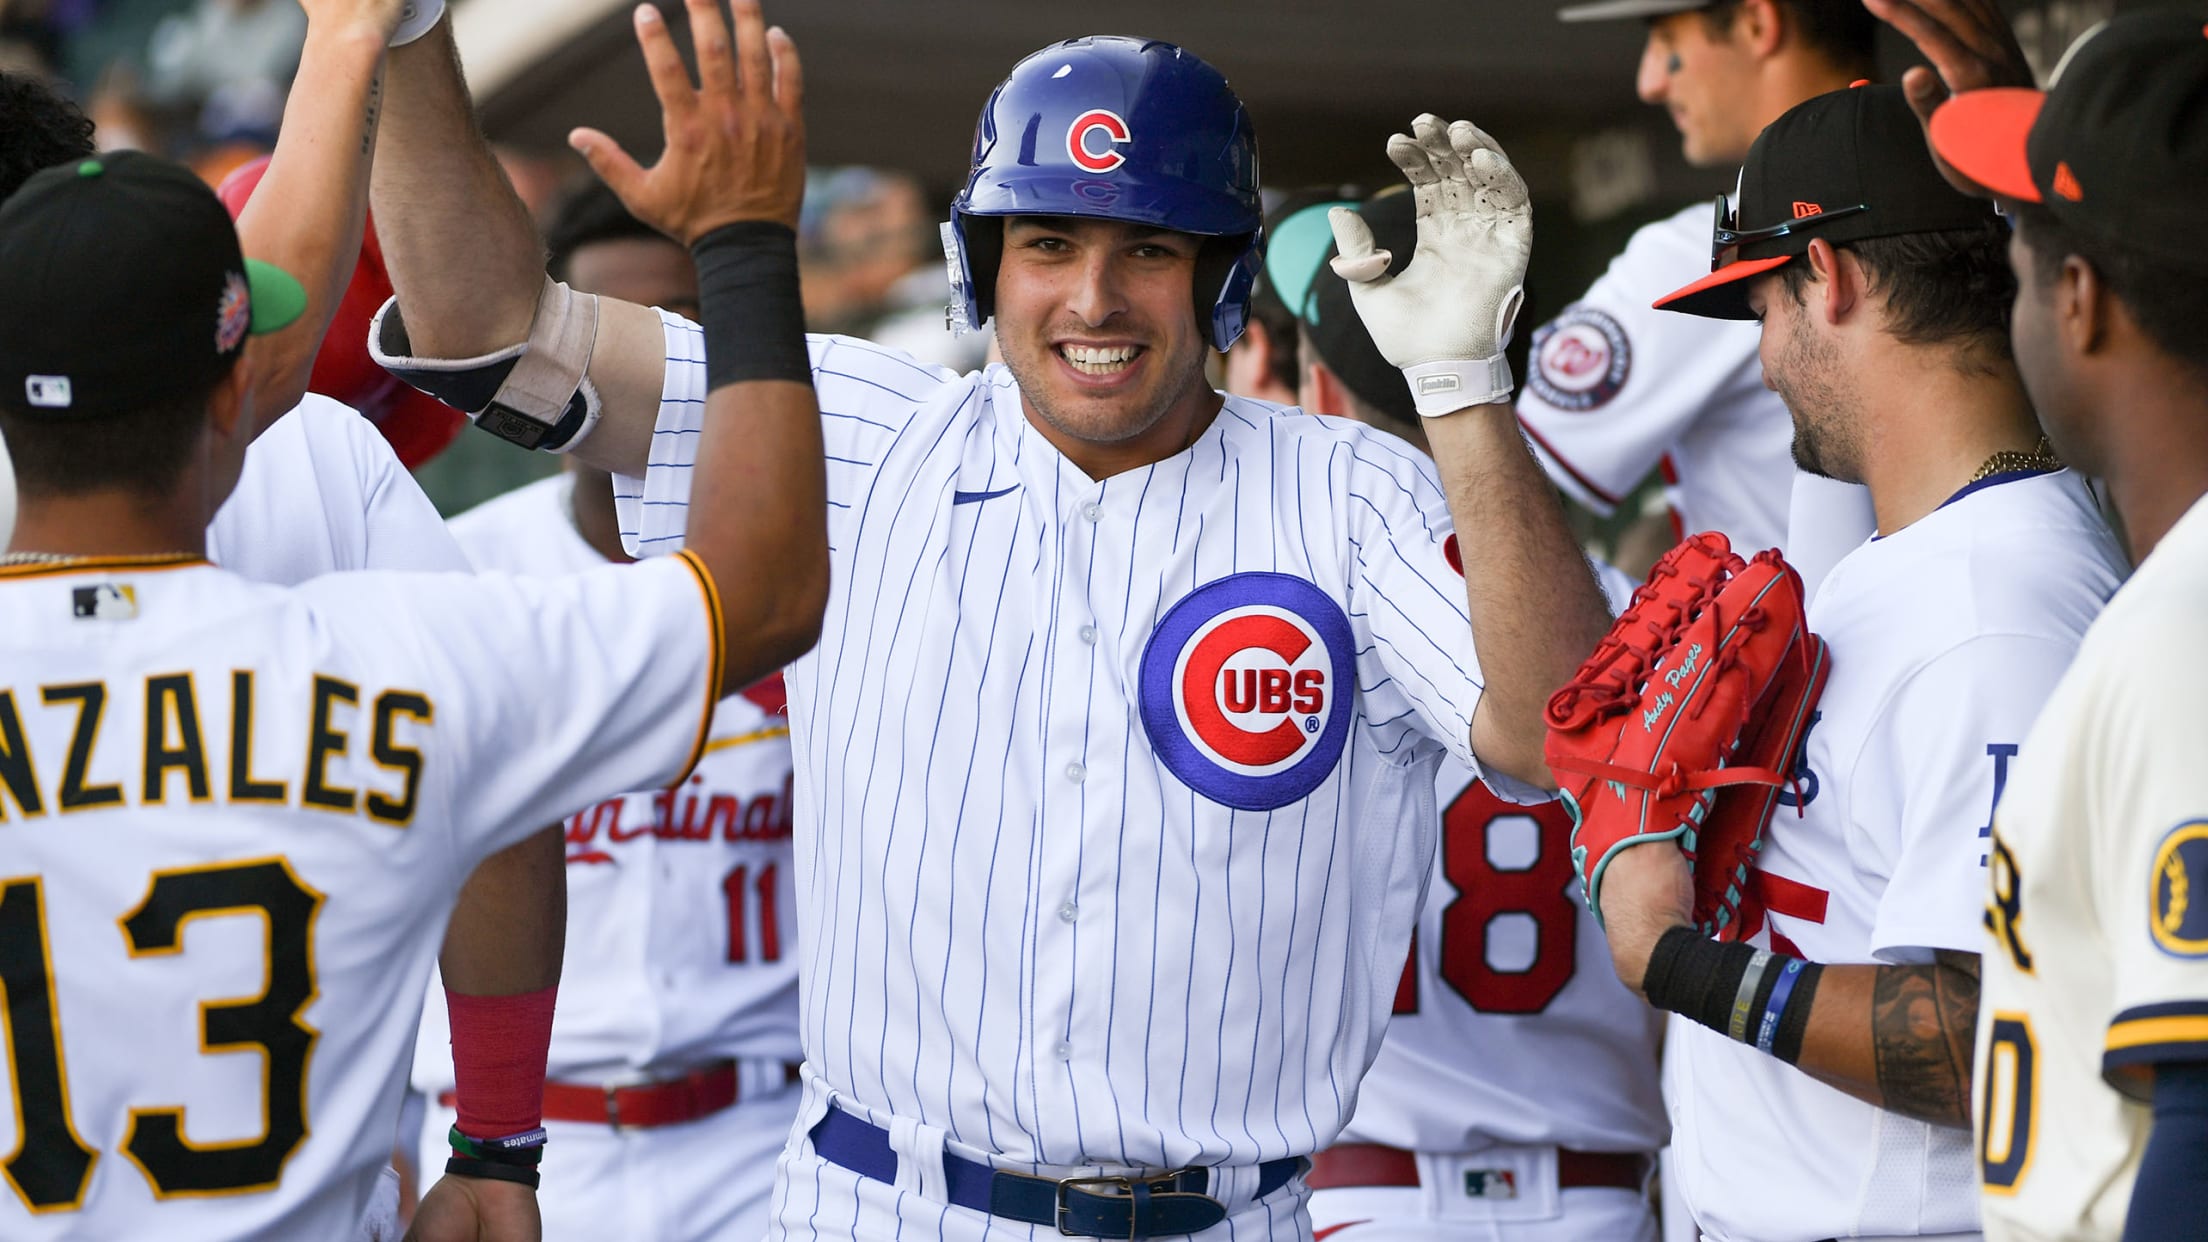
(121, 285)
(2116, 147)
(1845, 166)
(1330, 318)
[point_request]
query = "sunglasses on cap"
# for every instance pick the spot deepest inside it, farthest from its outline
(1727, 237)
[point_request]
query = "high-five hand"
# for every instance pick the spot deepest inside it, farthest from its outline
(735, 141)
(1446, 317)
(1971, 48)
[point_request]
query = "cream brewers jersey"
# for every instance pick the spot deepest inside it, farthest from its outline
(1947, 637)
(237, 816)
(1615, 387)
(680, 904)
(1115, 799)
(2097, 962)
(1510, 1025)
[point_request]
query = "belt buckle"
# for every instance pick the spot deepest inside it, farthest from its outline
(1122, 1187)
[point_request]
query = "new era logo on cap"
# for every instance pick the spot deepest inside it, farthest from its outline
(47, 392)
(1803, 210)
(2066, 182)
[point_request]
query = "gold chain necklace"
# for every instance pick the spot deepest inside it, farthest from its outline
(2041, 458)
(63, 558)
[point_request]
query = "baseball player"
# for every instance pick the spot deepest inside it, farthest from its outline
(1819, 1076)
(674, 1050)
(1516, 1093)
(1114, 768)
(2091, 1058)
(320, 491)
(1615, 388)
(211, 992)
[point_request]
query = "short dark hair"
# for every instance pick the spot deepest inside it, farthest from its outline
(2169, 303)
(592, 213)
(1952, 287)
(1843, 30)
(38, 129)
(141, 451)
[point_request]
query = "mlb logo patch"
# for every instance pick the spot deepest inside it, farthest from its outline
(1490, 1184)
(48, 392)
(104, 601)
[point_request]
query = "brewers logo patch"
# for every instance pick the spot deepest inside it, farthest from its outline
(2178, 908)
(1580, 359)
(1247, 689)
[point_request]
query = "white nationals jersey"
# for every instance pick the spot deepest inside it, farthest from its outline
(1615, 387)
(237, 818)
(1510, 1025)
(680, 909)
(321, 491)
(1947, 637)
(2097, 966)
(1115, 799)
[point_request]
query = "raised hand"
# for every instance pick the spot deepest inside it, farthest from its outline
(1971, 47)
(735, 141)
(1457, 299)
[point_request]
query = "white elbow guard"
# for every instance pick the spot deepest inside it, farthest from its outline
(536, 394)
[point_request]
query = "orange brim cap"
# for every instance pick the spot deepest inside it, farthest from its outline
(1715, 295)
(1983, 135)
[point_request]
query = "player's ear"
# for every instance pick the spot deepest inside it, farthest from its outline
(230, 405)
(1837, 286)
(2083, 307)
(1759, 26)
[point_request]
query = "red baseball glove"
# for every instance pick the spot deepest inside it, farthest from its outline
(1683, 725)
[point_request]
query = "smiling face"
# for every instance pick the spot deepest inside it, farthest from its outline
(1096, 319)
(1707, 84)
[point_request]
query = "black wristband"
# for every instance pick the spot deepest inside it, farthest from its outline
(1731, 988)
(1786, 1045)
(468, 1166)
(748, 304)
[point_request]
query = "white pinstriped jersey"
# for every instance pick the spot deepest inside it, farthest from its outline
(680, 944)
(237, 819)
(1115, 798)
(1947, 637)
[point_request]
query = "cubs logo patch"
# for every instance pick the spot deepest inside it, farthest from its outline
(1580, 359)
(1094, 139)
(1247, 689)
(2178, 909)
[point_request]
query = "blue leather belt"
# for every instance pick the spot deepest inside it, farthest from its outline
(1086, 1207)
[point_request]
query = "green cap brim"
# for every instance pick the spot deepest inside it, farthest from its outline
(278, 297)
(1295, 250)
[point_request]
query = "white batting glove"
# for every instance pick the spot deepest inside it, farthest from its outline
(1445, 319)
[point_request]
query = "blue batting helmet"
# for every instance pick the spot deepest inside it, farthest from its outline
(1119, 129)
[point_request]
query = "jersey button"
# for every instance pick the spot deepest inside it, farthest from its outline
(1088, 634)
(1067, 912)
(1092, 512)
(1076, 773)
(1064, 1051)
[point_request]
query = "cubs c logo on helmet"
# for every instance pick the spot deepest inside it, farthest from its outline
(1093, 138)
(1247, 689)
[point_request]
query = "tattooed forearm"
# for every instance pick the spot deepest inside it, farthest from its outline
(375, 114)
(1922, 1019)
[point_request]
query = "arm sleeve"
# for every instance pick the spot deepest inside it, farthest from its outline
(1924, 787)
(2170, 1198)
(866, 395)
(2149, 804)
(525, 698)
(1416, 666)
(1612, 383)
